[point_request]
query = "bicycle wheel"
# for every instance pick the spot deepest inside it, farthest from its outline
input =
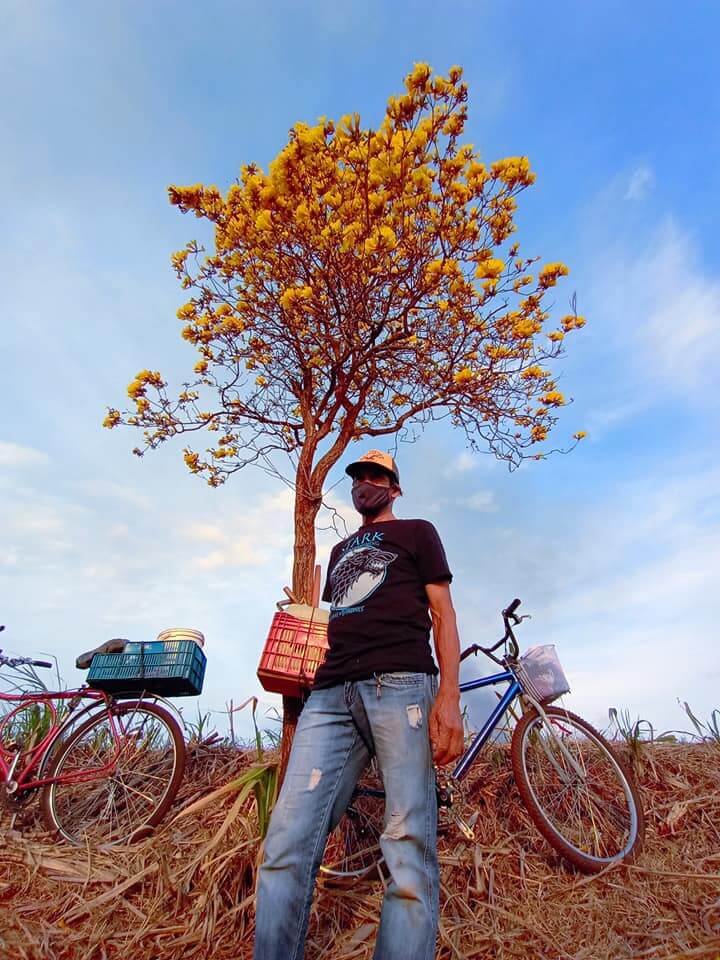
(103, 795)
(353, 847)
(579, 794)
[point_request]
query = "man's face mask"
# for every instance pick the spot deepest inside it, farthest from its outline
(369, 498)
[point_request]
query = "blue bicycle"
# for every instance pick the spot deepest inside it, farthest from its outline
(579, 793)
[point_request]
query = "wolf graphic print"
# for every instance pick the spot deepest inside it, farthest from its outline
(358, 574)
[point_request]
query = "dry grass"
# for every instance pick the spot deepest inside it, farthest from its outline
(188, 891)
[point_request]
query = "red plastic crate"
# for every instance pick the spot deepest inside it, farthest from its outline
(293, 651)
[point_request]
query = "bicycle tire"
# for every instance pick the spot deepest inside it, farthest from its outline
(62, 803)
(353, 850)
(599, 760)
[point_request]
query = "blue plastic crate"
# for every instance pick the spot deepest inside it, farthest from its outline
(174, 668)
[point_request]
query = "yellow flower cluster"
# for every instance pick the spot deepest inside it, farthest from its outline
(136, 388)
(513, 171)
(491, 267)
(550, 274)
(293, 296)
(533, 372)
(381, 239)
(112, 419)
(526, 327)
(419, 78)
(192, 461)
(572, 322)
(178, 260)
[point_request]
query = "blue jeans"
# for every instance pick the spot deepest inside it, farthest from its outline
(339, 729)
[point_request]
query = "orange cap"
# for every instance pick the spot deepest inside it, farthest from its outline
(379, 459)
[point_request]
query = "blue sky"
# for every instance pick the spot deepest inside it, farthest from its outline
(614, 549)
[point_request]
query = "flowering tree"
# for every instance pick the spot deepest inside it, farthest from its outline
(363, 286)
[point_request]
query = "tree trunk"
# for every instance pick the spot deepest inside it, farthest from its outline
(307, 505)
(292, 707)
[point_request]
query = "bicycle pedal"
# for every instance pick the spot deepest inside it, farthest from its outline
(464, 827)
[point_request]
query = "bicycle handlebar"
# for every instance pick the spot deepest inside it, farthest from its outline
(509, 611)
(23, 661)
(507, 614)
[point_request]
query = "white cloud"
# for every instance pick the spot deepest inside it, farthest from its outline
(14, 455)
(655, 323)
(683, 322)
(256, 536)
(466, 461)
(38, 527)
(632, 615)
(482, 501)
(118, 491)
(205, 531)
(622, 580)
(461, 464)
(40, 518)
(599, 421)
(234, 553)
(641, 180)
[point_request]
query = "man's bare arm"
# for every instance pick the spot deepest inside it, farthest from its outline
(446, 728)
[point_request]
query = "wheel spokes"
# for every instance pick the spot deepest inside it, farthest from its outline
(580, 789)
(123, 783)
(353, 848)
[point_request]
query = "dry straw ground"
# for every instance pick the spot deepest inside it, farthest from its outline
(188, 891)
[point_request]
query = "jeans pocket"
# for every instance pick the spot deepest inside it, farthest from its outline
(402, 679)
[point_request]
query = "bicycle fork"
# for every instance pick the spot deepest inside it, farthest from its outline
(11, 786)
(572, 762)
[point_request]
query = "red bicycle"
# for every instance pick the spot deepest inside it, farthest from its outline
(107, 769)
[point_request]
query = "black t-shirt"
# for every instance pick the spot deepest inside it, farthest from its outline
(379, 619)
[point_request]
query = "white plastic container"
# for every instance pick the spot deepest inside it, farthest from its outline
(182, 633)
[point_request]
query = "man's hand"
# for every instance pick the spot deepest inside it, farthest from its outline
(446, 728)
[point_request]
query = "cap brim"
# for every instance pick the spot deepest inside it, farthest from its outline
(350, 468)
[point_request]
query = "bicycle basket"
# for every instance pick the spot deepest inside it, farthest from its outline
(541, 674)
(296, 646)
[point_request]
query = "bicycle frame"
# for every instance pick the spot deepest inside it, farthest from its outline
(481, 738)
(36, 757)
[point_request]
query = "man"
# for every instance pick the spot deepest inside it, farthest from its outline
(376, 694)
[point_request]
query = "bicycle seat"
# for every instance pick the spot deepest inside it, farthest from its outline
(116, 645)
